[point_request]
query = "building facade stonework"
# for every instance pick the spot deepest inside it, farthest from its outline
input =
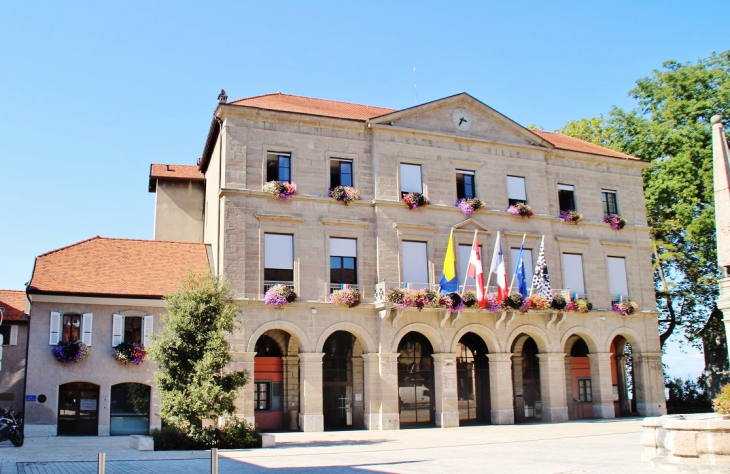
(319, 366)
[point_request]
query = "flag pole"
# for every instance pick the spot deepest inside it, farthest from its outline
(489, 278)
(466, 272)
(517, 267)
(542, 249)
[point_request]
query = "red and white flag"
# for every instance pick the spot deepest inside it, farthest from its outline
(499, 269)
(476, 272)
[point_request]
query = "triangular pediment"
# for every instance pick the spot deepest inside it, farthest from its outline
(464, 116)
(470, 225)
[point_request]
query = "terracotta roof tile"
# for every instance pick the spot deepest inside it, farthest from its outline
(14, 303)
(566, 142)
(117, 267)
(173, 173)
(307, 105)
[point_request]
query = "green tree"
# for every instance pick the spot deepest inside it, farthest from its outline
(670, 128)
(192, 352)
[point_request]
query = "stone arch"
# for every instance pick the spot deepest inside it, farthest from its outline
(431, 334)
(541, 338)
(584, 333)
(480, 330)
(291, 328)
(630, 335)
(356, 330)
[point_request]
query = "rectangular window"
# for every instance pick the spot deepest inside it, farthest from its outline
(133, 329)
(617, 277)
(5, 332)
(584, 390)
(410, 179)
(343, 261)
(465, 188)
(527, 257)
(516, 190)
(609, 202)
(340, 173)
(464, 255)
(279, 258)
(573, 273)
(566, 199)
(278, 166)
(415, 264)
(262, 396)
(71, 329)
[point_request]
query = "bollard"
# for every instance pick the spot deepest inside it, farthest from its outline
(101, 463)
(214, 461)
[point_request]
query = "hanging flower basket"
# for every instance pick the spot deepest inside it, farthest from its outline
(625, 308)
(469, 299)
(279, 295)
(281, 190)
(513, 301)
(558, 302)
(348, 297)
(345, 194)
(469, 206)
(415, 200)
(571, 217)
(535, 302)
(615, 221)
(452, 302)
(129, 353)
(70, 352)
(521, 209)
(579, 306)
(492, 303)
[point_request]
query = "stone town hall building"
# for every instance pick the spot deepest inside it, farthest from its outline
(377, 366)
(319, 366)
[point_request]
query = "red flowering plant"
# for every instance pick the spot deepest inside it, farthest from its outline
(579, 306)
(128, 352)
(415, 200)
(615, 221)
(345, 194)
(281, 190)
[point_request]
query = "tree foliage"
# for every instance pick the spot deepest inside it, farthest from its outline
(192, 352)
(670, 128)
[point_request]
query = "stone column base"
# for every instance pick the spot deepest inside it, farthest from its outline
(503, 417)
(390, 421)
(554, 414)
(311, 422)
(603, 410)
(651, 409)
(447, 419)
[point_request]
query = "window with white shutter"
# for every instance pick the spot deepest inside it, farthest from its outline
(573, 273)
(410, 179)
(516, 190)
(278, 258)
(147, 330)
(617, 277)
(14, 335)
(55, 330)
(117, 329)
(87, 324)
(415, 264)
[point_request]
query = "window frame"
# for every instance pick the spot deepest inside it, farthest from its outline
(403, 262)
(461, 188)
(342, 258)
(280, 274)
(401, 175)
(257, 395)
(279, 155)
(561, 193)
(587, 395)
(605, 202)
(141, 329)
(513, 201)
(339, 173)
(65, 336)
(582, 270)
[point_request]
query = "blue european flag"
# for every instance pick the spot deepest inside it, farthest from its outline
(520, 273)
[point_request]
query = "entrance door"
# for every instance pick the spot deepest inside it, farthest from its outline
(531, 380)
(78, 409)
(415, 380)
(337, 381)
(472, 372)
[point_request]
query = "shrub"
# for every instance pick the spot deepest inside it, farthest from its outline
(721, 404)
(234, 434)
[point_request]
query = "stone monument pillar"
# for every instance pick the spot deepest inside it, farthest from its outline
(721, 171)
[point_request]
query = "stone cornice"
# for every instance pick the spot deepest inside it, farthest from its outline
(402, 226)
(616, 243)
(279, 217)
(573, 240)
(343, 222)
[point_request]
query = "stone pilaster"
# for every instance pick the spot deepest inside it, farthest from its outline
(623, 395)
(245, 397)
(649, 384)
(446, 398)
(371, 395)
(290, 366)
(602, 385)
(569, 395)
(389, 395)
(311, 417)
(552, 386)
(517, 388)
(500, 388)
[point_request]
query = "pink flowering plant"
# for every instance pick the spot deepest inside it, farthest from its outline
(415, 200)
(129, 353)
(521, 209)
(470, 205)
(70, 352)
(625, 308)
(282, 190)
(571, 217)
(580, 305)
(615, 221)
(537, 302)
(279, 295)
(348, 297)
(452, 302)
(492, 303)
(345, 194)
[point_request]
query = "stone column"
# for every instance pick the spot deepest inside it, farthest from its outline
(623, 393)
(602, 385)
(569, 395)
(371, 393)
(649, 384)
(389, 395)
(446, 399)
(310, 368)
(245, 396)
(500, 388)
(552, 386)
(517, 388)
(290, 366)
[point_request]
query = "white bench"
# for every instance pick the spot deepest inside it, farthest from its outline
(142, 443)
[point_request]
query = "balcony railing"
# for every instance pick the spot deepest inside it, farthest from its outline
(382, 288)
(615, 299)
(269, 283)
(341, 286)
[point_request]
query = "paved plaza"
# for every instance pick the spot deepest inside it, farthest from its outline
(596, 446)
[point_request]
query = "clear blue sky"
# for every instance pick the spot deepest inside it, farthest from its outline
(91, 93)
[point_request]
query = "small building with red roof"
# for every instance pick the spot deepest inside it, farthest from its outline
(14, 332)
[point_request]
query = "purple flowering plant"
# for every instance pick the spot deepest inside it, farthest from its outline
(521, 209)
(345, 194)
(281, 190)
(625, 308)
(470, 205)
(571, 217)
(70, 352)
(415, 200)
(128, 352)
(615, 221)
(279, 295)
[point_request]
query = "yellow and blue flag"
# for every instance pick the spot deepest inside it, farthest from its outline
(449, 279)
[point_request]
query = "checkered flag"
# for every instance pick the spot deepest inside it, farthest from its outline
(541, 279)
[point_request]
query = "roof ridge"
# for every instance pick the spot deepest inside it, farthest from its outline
(69, 246)
(97, 237)
(12, 291)
(171, 164)
(571, 137)
(314, 98)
